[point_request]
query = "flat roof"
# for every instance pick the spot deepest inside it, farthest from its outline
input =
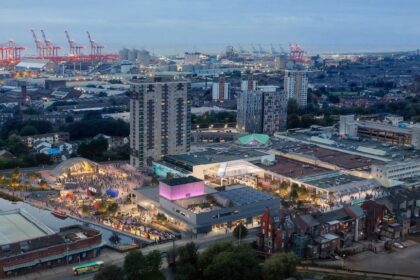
(341, 159)
(245, 195)
(330, 180)
(293, 168)
(382, 126)
(18, 225)
(180, 181)
(214, 156)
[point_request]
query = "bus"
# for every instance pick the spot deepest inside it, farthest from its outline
(88, 267)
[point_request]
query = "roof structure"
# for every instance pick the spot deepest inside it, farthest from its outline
(74, 163)
(254, 139)
(244, 195)
(18, 225)
(180, 181)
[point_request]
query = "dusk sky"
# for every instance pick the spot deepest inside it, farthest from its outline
(171, 26)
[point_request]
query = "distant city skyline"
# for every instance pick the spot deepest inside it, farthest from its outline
(170, 27)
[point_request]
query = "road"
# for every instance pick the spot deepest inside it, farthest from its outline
(112, 257)
(356, 273)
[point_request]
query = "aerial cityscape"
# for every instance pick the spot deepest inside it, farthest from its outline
(210, 140)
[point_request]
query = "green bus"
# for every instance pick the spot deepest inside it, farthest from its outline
(87, 268)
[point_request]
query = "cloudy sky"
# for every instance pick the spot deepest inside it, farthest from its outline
(170, 26)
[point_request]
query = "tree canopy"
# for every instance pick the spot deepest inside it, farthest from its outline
(280, 266)
(111, 272)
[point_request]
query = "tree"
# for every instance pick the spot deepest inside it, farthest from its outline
(138, 266)
(303, 194)
(293, 195)
(114, 238)
(284, 189)
(113, 207)
(280, 266)
(85, 209)
(28, 130)
(154, 182)
(186, 265)
(16, 146)
(93, 149)
(240, 231)
(134, 265)
(241, 263)
(111, 272)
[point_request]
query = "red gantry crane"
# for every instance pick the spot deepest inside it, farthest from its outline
(10, 53)
(75, 50)
(297, 54)
(95, 48)
(40, 49)
(51, 49)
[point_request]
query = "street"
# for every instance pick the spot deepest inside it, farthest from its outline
(112, 257)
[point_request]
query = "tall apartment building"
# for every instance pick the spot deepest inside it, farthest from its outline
(296, 86)
(220, 90)
(160, 120)
(261, 111)
(249, 83)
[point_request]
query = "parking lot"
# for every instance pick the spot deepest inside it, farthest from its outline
(400, 261)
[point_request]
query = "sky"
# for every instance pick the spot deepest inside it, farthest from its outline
(175, 26)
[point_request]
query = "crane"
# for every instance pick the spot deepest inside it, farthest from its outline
(262, 51)
(52, 50)
(297, 54)
(254, 50)
(75, 49)
(95, 48)
(273, 50)
(281, 49)
(38, 44)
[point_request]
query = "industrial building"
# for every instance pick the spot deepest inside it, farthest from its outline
(160, 120)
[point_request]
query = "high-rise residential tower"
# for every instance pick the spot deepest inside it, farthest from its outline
(220, 91)
(262, 111)
(296, 86)
(160, 120)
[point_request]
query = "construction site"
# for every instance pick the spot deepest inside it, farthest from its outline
(11, 53)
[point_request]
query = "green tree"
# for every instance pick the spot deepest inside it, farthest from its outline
(113, 207)
(284, 189)
(28, 130)
(154, 182)
(280, 266)
(186, 266)
(111, 272)
(85, 209)
(138, 266)
(16, 146)
(293, 195)
(134, 264)
(240, 231)
(239, 264)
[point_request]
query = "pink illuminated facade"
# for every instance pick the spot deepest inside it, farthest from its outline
(181, 188)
